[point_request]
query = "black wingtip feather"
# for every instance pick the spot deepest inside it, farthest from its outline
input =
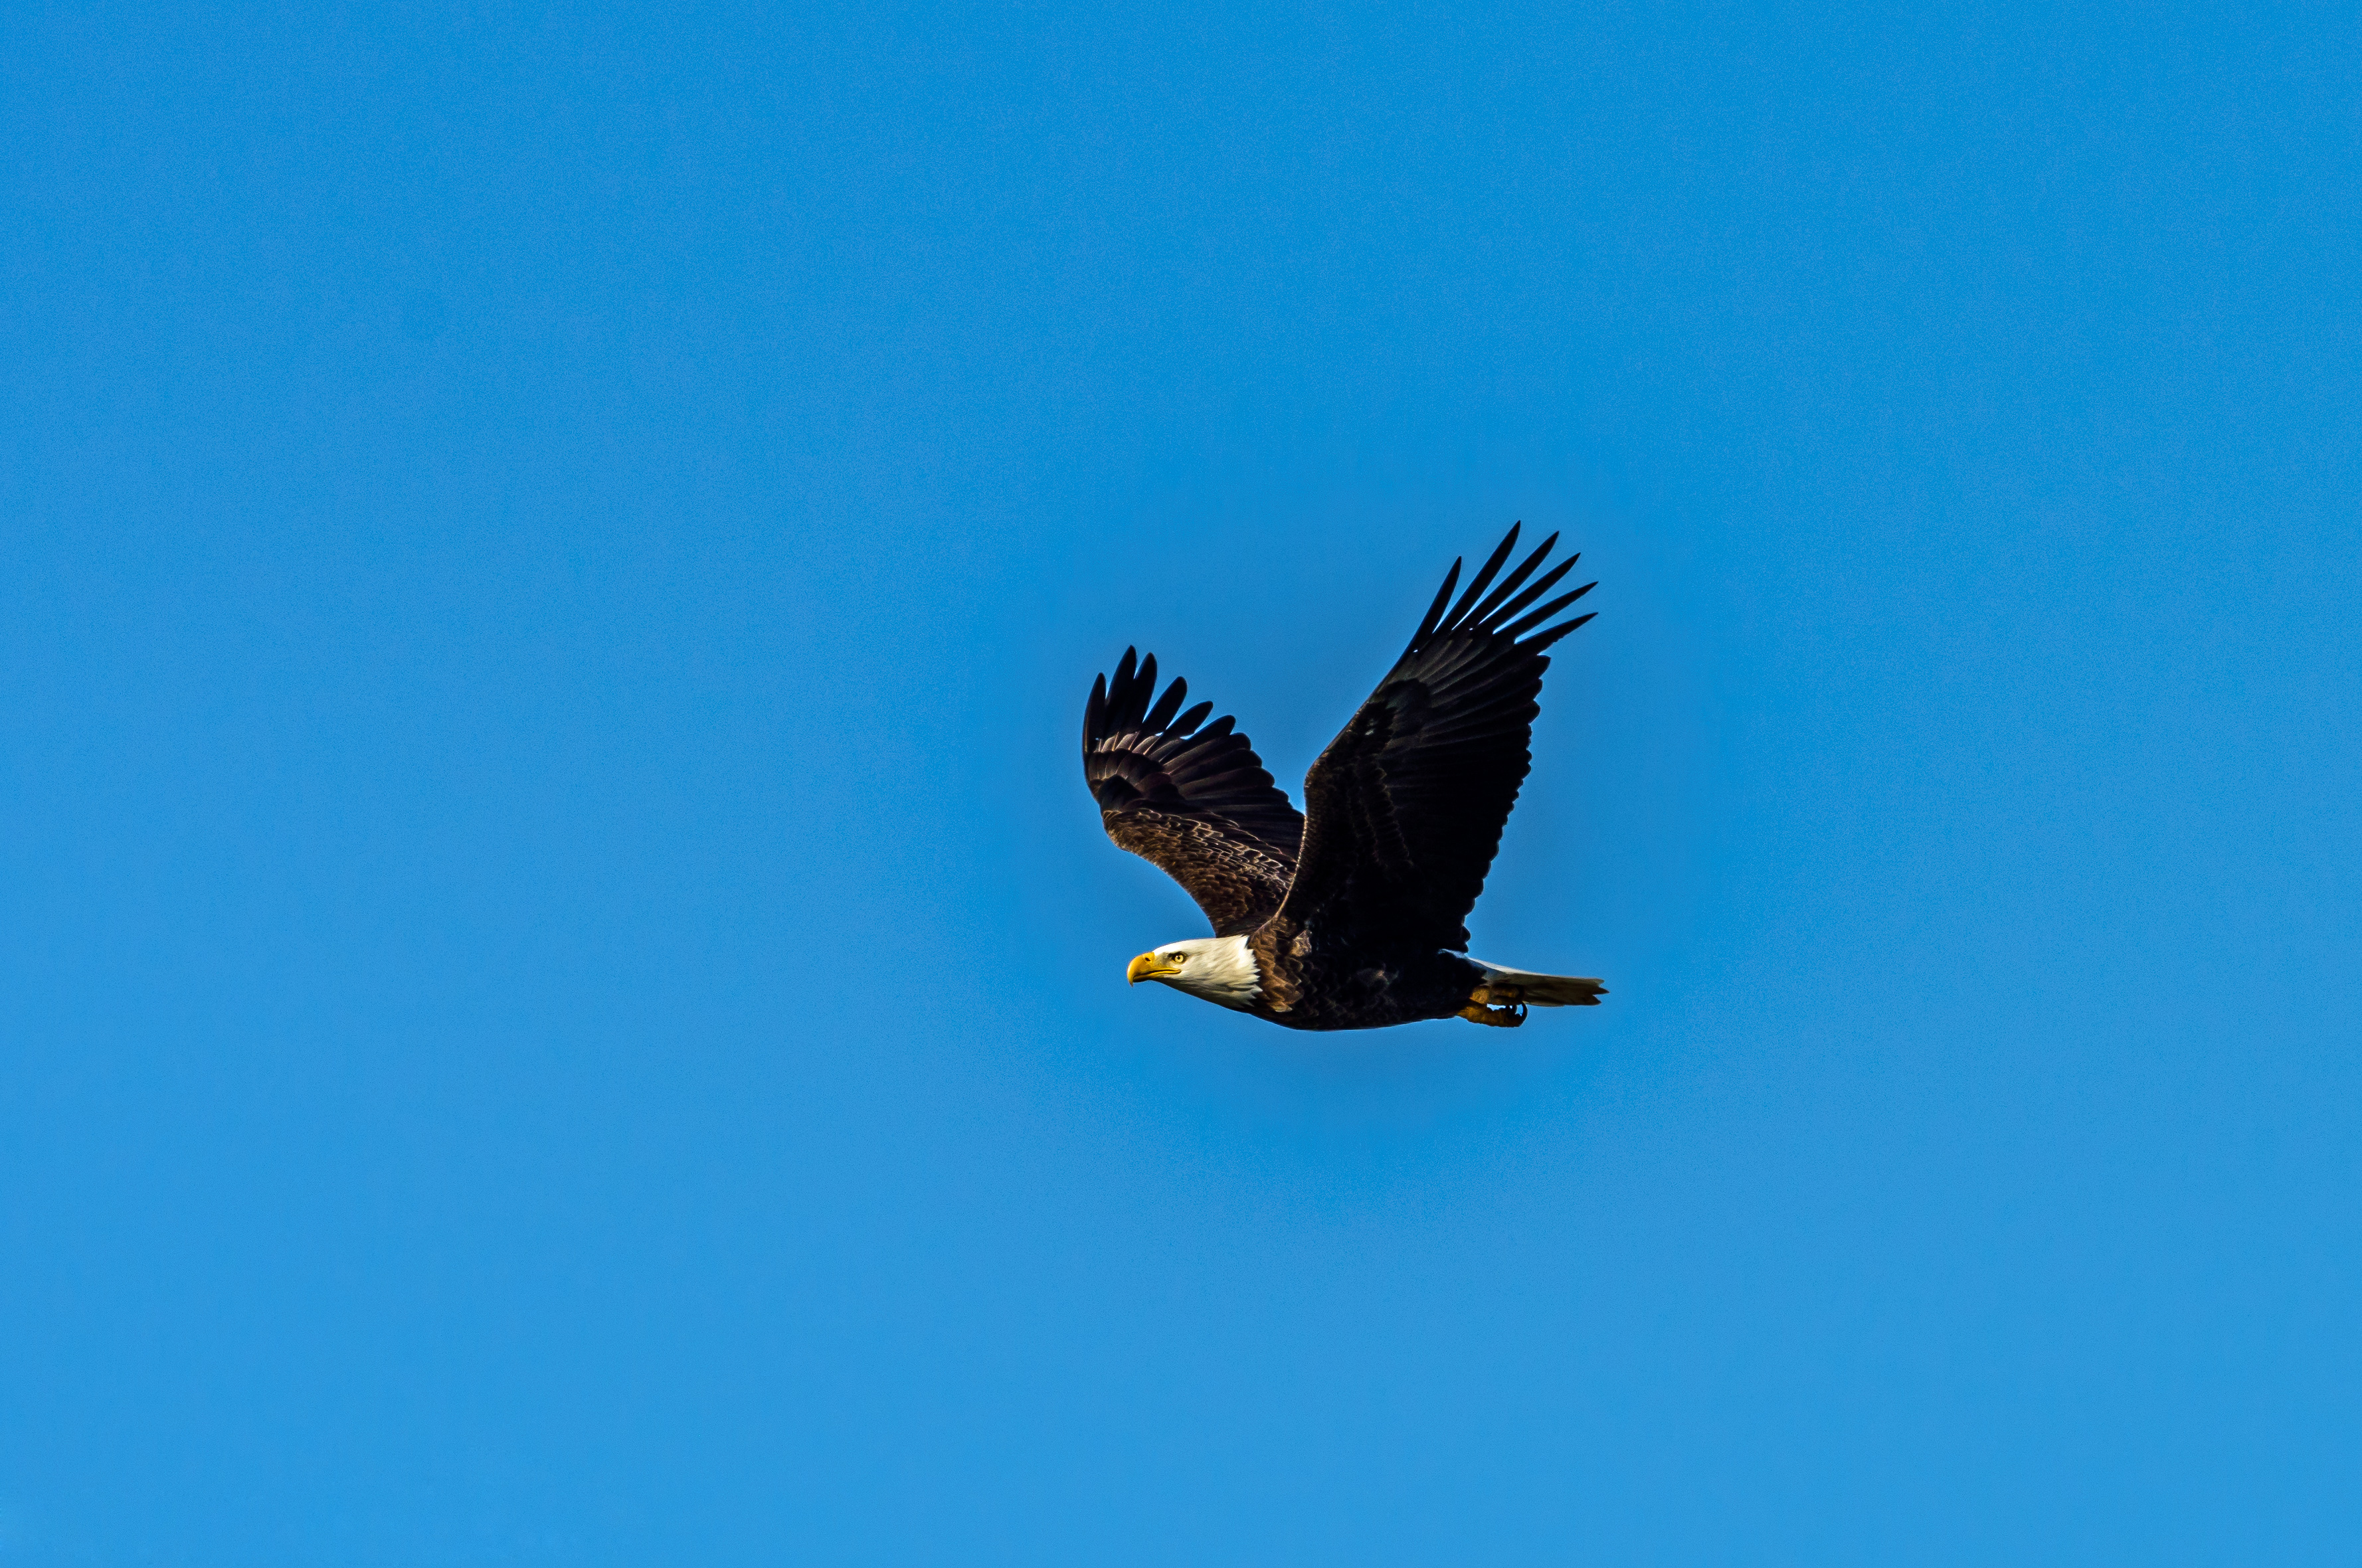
(1095, 712)
(1478, 616)
(1511, 608)
(1555, 633)
(1483, 578)
(1125, 699)
(1539, 617)
(1435, 611)
(1168, 705)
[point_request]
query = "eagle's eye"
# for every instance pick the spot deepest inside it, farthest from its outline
(1178, 958)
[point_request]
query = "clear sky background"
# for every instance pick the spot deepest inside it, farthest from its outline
(563, 998)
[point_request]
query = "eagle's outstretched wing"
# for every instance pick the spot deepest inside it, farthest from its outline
(1196, 801)
(1405, 808)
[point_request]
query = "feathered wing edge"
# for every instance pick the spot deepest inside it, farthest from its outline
(1493, 615)
(1405, 807)
(1191, 796)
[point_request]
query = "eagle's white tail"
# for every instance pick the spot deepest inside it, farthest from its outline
(1538, 990)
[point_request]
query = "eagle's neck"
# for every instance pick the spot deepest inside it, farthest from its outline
(1222, 970)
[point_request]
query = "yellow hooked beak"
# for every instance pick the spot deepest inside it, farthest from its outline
(1150, 966)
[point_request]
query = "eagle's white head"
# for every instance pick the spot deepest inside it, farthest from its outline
(1219, 968)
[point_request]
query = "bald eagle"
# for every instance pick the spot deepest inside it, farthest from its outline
(1351, 915)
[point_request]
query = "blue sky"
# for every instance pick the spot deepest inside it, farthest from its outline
(563, 997)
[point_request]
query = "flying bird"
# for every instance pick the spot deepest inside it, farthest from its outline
(1352, 913)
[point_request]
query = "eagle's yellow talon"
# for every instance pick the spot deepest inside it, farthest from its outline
(1497, 1017)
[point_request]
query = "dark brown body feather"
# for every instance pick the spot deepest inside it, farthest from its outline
(1356, 913)
(1313, 978)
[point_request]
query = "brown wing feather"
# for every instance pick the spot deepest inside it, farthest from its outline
(1405, 807)
(1188, 796)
